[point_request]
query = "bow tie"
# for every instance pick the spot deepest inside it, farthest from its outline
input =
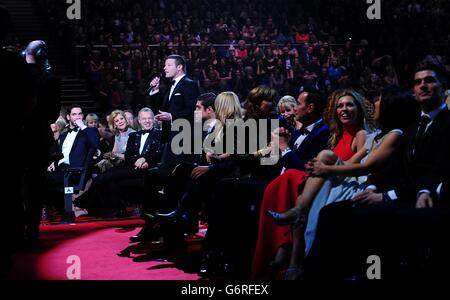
(424, 120)
(146, 131)
(69, 130)
(304, 131)
(172, 82)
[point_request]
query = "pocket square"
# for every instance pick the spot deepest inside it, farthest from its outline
(177, 94)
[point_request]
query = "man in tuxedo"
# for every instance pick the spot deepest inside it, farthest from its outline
(304, 143)
(174, 183)
(404, 209)
(75, 144)
(143, 152)
(178, 102)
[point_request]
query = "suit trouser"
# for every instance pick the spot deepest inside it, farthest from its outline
(397, 233)
(109, 185)
(154, 180)
(233, 219)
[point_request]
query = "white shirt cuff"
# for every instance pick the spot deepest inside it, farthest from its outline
(152, 92)
(423, 191)
(285, 151)
(371, 187)
(392, 195)
(438, 190)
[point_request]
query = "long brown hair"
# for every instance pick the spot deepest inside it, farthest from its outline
(332, 120)
(254, 99)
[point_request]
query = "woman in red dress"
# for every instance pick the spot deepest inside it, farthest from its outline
(346, 118)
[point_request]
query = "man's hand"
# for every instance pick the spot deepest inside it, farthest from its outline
(80, 124)
(154, 84)
(199, 171)
(139, 164)
(51, 168)
(280, 135)
(163, 116)
(368, 197)
(424, 200)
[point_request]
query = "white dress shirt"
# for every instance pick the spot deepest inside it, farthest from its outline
(67, 147)
(143, 140)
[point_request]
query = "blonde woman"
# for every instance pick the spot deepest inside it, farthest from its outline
(201, 184)
(286, 115)
(228, 111)
(121, 129)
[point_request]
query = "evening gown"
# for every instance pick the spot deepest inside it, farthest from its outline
(281, 195)
(339, 188)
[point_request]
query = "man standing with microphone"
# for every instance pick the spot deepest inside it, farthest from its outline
(178, 102)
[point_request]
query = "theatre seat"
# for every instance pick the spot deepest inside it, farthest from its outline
(75, 179)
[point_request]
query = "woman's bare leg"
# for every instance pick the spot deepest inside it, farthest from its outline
(304, 201)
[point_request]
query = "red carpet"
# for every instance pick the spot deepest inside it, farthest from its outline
(97, 244)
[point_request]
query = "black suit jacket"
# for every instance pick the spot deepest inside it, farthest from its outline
(86, 139)
(409, 172)
(313, 143)
(181, 104)
(152, 148)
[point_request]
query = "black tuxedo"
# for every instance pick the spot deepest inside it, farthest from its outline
(313, 143)
(86, 139)
(422, 168)
(114, 181)
(151, 151)
(181, 104)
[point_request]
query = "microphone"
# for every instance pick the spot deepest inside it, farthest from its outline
(152, 86)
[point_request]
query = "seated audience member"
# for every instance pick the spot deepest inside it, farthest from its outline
(249, 183)
(286, 113)
(202, 180)
(75, 144)
(58, 127)
(403, 211)
(178, 179)
(394, 112)
(130, 119)
(119, 126)
(143, 151)
(345, 134)
(91, 120)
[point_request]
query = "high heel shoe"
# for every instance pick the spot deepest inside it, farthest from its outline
(292, 216)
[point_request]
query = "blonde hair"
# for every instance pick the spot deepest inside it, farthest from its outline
(91, 117)
(227, 106)
(332, 119)
(112, 116)
(286, 102)
(61, 123)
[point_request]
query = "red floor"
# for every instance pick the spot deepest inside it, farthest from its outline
(96, 245)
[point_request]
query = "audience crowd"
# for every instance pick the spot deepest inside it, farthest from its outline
(343, 80)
